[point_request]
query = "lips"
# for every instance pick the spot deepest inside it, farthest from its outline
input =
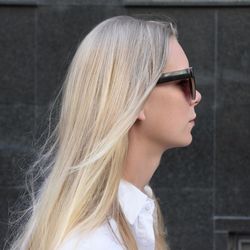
(193, 119)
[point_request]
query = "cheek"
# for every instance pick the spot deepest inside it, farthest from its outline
(167, 114)
(169, 109)
(164, 115)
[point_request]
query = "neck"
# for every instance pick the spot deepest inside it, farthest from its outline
(142, 160)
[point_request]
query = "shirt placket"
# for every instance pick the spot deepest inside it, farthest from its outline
(144, 227)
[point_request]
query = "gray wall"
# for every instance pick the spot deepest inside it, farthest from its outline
(204, 188)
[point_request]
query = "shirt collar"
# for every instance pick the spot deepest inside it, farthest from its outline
(133, 200)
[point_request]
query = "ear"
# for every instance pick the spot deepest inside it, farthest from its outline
(141, 115)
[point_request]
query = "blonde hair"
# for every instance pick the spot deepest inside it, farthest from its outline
(109, 79)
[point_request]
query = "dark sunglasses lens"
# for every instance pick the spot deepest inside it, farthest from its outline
(192, 88)
(187, 87)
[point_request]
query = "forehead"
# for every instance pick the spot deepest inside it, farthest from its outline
(177, 58)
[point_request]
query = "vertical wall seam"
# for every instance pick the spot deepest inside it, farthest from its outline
(214, 118)
(35, 72)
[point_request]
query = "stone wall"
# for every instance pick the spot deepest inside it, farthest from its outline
(204, 189)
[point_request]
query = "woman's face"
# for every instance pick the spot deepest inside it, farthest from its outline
(168, 111)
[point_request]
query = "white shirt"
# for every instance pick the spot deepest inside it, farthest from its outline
(138, 208)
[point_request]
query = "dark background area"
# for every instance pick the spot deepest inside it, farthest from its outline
(204, 189)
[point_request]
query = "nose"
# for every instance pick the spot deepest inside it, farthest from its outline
(197, 98)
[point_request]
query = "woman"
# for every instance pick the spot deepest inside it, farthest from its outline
(129, 95)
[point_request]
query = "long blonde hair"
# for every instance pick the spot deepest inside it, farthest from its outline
(112, 73)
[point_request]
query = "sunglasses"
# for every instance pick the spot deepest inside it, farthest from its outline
(186, 77)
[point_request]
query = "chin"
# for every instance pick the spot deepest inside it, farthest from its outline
(188, 141)
(178, 141)
(180, 144)
(183, 143)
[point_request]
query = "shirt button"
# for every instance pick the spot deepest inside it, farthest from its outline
(147, 207)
